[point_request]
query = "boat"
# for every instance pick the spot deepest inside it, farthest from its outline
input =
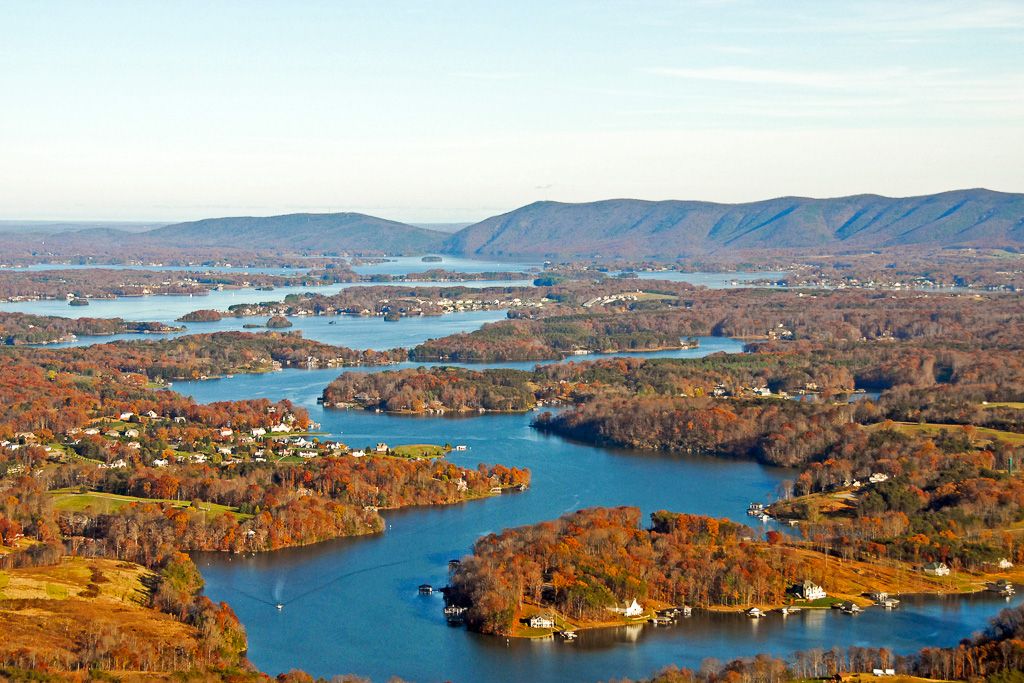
(1001, 587)
(890, 603)
(851, 608)
(568, 635)
(280, 605)
(661, 621)
(426, 589)
(754, 613)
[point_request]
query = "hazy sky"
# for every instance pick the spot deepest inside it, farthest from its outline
(433, 111)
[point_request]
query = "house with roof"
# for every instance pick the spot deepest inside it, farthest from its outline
(808, 590)
(633, 610)
(936, 569)
(541, 621)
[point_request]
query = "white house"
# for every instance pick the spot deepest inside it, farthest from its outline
(541, 621)
(936, 569)
(226, 431)
(1005, 563)
(809, 590)
(633, 609)
(151, 415)
(126, 416)
(160, 462)
(357, 454)
(878, 477)
(381, 447)
(131, 433)
(259, 431)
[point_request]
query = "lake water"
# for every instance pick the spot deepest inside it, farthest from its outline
(352, 606)
(193, 268)
(714, 280)
(402, 265)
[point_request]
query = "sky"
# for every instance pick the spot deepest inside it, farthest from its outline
(454, 111)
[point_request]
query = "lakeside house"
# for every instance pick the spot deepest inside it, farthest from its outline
(808, 590)
(633, 610)
(936, 569)
(381, 447)
(541, 621)
(1004, 563)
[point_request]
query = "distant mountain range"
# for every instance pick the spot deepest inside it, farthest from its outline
(614, 228)
(319, 232)
(631, 228)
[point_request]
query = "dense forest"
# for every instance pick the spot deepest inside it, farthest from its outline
(669, 312)
(108, 283)
(435, 390)
(403, 300)
(586, 563)
(21, 328)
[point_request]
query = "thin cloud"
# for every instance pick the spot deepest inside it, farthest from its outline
(782, 77)
(488, 75)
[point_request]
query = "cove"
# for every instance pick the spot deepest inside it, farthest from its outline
(352, 606)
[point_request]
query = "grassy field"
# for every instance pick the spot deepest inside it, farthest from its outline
(815, 506)
(52, 611)
(72, 500)
(1016, 405)
(981, 434)
(418, 450)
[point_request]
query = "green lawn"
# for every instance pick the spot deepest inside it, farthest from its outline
(70, 500)
(418, 450)
(1017, 405)
(1012, 438)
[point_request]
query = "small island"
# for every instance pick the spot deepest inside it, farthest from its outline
(203, 315)
(278, 322)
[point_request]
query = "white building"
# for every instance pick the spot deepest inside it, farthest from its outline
(541, 621)
(936, 569)
(809, 590)
(633, 609)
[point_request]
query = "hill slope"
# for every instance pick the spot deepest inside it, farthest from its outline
(326, 232)
(632, 228)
